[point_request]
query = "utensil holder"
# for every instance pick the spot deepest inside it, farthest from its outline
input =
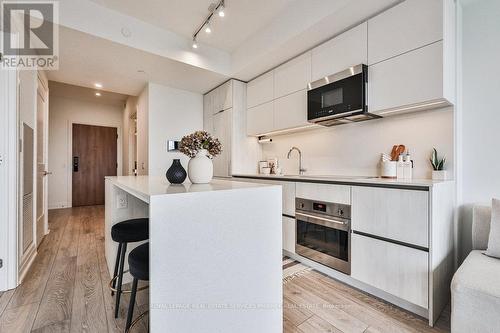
(388, 169)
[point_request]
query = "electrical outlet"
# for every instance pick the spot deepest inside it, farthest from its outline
(121, 202)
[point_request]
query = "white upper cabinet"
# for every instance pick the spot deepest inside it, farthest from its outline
(292, 76)
(260, 119)
(405, 27)
(260, 90)
(291, 110)
(346, 50)
(408, 80)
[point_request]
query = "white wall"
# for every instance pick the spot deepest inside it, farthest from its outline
(129, 138)
(480, 132)
(173, 113)
(355, 149)
(143, 131)
(63, 112)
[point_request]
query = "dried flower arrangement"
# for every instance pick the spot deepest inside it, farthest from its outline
(192, 143)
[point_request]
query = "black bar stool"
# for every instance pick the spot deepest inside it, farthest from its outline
(129, 231)
(138, 263)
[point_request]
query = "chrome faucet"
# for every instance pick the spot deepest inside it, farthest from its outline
(301, 170)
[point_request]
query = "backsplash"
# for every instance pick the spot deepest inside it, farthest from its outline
(354, 149)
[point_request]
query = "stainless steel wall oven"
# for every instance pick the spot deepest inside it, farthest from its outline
(323, 231)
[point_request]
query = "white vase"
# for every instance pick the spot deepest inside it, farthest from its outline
(200, 168)
(439, 174)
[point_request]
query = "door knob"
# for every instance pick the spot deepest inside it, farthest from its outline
(45, 173)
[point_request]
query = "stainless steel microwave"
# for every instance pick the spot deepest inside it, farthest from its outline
(339, 98)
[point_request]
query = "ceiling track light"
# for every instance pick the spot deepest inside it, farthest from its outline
(214, 8)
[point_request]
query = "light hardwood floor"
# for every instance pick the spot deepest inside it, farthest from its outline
(66, 290)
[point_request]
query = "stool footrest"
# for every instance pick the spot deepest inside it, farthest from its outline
(123, 291)
(136, 320)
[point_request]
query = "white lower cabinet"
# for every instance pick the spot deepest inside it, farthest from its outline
(289, 234)
(396, 214)
(398, 270)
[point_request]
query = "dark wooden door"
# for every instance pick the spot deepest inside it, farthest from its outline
(94, 157)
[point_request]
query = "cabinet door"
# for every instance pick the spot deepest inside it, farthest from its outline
(410, 79)
(291, 111)
(345, 50)
(399, 270)
(288, 234)
(401, 29)
(292, 76)
(400, 215)
(260, 90)
(222, 131)
(260, 119)
(208, 121)
(223, 96)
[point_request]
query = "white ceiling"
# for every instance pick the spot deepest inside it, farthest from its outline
(86, 94)
(183, 17)
(254, 37)
(85, 59)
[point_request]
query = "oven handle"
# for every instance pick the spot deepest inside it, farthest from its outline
(325, 221)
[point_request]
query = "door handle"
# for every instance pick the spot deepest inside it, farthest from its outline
(75, 163)
(45, 173)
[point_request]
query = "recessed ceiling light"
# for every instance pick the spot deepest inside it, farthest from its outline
(98, 94)
(98, 85)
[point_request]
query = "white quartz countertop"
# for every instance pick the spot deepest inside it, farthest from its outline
(352, 180)
(145, 187)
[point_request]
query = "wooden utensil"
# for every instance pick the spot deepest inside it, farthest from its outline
(393, 153)
(401, 149)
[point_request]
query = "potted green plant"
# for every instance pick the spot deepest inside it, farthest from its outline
(438, 172)
(201, 147)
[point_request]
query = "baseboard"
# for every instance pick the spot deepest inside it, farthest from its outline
(422, 312)
(59, 205)
(23, 270)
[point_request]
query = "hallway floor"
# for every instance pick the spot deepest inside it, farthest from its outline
(66, 290)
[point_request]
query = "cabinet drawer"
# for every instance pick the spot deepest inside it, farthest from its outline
(398, 270)
(400, 215)
(324, 192)
(292, 76)
(260, 90)
(288, 234)
(400, 29)
(290, 111)
(407, 80)
(260, 119)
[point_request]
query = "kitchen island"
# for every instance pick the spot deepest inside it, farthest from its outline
(215, 252)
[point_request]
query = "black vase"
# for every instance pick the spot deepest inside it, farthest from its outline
(176, 173)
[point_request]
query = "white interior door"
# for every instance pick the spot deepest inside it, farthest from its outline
(8, 178)
(41, 161)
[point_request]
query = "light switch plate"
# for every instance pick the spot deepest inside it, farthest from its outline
(121, 201)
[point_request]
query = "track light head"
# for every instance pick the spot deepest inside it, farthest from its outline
(208, 29)
(194, 45)
(221, 11)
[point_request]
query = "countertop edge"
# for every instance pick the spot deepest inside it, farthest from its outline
(350, 182)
